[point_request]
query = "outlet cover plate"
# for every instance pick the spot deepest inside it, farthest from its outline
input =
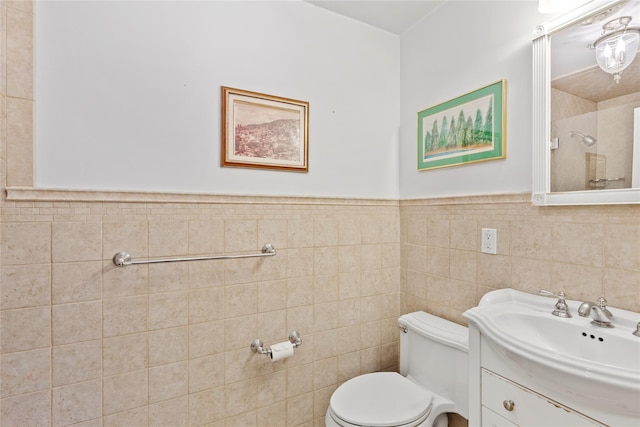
(489, 241)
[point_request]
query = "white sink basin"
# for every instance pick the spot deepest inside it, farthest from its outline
(574, 341)
(569, 357)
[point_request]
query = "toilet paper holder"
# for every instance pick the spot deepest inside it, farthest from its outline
(258, 347)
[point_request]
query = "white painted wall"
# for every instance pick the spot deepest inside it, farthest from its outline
(128, 95)
(463, 46)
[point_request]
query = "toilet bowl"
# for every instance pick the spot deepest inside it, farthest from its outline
(432, 380)
(380, 399)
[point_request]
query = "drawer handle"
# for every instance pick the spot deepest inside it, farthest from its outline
(508, 405)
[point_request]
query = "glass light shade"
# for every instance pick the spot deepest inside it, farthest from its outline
(617, 51)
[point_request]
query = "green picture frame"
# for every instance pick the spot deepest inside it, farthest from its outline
(468, 129)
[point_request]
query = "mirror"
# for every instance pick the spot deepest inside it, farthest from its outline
(586, 126)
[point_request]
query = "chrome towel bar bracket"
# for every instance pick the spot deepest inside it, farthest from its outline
(122, 259)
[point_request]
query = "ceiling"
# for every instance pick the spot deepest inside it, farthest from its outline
(394, 16)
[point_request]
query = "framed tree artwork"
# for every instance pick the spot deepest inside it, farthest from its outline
(467, 129)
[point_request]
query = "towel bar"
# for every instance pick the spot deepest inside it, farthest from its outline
(122, 259)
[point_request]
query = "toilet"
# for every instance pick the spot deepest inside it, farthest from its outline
(432, 381)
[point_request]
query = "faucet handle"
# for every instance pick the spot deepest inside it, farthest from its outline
(561, 307)
(602, 304)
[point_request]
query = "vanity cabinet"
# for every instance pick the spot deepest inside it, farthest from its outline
(530, 368)
(505, 392)
(507, 404)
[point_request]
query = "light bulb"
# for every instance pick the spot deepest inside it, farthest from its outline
(608, 60)
(620, 47)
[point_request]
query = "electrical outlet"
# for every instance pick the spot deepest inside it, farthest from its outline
(489, 241)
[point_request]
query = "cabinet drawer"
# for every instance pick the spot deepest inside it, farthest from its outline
(491, 419)
(525, 407)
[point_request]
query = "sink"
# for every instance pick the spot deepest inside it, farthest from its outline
(593, 369)
(572, 341)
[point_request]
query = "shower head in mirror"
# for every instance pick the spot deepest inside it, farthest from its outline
(588, 140)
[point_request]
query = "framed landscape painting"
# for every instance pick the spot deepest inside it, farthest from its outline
(264, 131)
(467, 129)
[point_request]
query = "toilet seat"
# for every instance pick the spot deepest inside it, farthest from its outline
(380, 399)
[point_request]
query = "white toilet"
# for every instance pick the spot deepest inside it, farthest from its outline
(432, 380)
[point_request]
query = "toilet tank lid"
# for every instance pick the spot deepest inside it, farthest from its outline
(437, 329)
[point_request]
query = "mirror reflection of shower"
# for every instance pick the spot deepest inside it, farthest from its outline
(588, 140)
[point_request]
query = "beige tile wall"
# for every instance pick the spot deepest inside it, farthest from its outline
(84, 341)
(586, 251)
(16, 92)
(168, 344)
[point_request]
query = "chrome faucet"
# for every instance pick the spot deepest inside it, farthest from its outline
(637, 331)
(599, 313)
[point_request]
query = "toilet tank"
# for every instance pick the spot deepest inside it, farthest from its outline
(434, 353)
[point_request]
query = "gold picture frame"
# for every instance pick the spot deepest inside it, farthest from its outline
(264, 131)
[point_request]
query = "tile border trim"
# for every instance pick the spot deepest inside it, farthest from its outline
(33, 194)
(469, 200)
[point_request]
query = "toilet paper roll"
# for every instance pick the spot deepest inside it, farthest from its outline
(282, 350)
